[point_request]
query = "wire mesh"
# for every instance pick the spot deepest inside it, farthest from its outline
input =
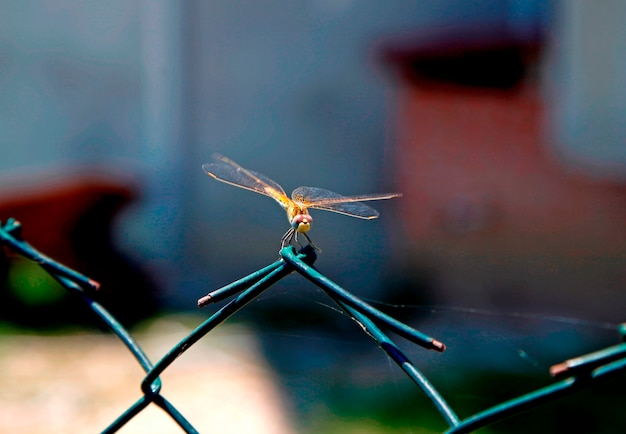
(571, 375)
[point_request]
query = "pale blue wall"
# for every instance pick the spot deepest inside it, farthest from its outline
(290, 89)
(587, 83)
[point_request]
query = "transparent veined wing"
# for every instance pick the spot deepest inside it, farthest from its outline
(226, 170)
(319, 198)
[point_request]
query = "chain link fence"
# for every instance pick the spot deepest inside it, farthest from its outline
(570, 376)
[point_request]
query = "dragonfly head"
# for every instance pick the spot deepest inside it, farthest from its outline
(302, 223)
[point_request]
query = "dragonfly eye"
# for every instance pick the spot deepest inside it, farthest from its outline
(302, 223)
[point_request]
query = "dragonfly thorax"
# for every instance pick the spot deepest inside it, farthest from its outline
(302, 222)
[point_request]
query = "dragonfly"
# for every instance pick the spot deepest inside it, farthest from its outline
(302, 198)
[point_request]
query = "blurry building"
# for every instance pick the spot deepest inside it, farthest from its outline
(298, 91)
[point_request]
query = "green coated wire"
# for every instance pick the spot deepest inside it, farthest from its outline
(10, 236)
(536, 398)
(581, 372)
(111, 323)
(260, 280)
(237, 286)
(75, 282)
(336, 291)
(392, 350)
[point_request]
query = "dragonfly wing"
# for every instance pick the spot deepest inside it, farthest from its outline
(319, 198)
(226, 170)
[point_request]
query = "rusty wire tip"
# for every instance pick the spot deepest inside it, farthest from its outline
(559, 370)
(438, 346)
(204, 300)
(13, 227)
(94, 284)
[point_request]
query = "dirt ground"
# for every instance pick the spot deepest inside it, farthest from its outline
(80, 383)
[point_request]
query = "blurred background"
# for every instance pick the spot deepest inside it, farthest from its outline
(502, 123)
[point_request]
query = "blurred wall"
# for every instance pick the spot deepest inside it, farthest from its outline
(511, 153)
(70, 83)
(292, 90)
(587, 87)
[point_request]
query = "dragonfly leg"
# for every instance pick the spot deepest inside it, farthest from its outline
(292, 235)
(286, 239)
(295, 238)
(311, 243)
